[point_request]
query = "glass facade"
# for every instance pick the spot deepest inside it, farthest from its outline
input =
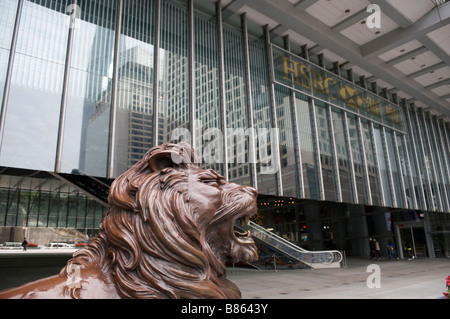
(89, 88)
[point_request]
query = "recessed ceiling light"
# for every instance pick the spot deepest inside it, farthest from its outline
(413, 58)
(423, 65)
(347, 11)
(402, 50)
(378, 32)
(363, 22)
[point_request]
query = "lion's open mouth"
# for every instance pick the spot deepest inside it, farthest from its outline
(243, 237)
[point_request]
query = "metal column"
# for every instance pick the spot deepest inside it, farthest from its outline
(156, 95)
(113, 112)
(248, 88)
(9, 70)
(275, 143)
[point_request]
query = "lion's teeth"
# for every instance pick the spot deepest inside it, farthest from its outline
(244, 220)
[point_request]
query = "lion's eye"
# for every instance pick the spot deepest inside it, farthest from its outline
(211, 182)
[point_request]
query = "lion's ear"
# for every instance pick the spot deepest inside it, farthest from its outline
(171, 155)
(164, 159)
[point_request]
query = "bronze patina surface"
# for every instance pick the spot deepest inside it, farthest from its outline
(167, 233)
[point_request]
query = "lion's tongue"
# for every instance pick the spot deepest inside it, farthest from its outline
(246, 234)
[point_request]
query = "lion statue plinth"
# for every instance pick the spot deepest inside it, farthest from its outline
(167, 233)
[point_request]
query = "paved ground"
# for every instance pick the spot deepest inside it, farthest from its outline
(403, 279)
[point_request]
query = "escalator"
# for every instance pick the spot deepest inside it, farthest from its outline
(295, 255)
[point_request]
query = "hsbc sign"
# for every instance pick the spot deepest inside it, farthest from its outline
(296, 73)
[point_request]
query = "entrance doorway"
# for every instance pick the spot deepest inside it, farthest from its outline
(411, 235)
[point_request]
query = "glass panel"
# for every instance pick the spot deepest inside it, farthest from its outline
(207, 107)
(357, 158)
(236, 108)
(174, 73)
(404, 170)
(326, 153)
(134, 117)
(265, 156)
(445, 158)
(371, 162)
(311, 182)
(287, 149)
(342, 154)
(8, 10)
(86, 134)
(32, 115)
(383, 166)
(428, 166)
(396, 173)
(44, 209)
(421, 178)
(438, 162)
(4, 195)
(72, 211)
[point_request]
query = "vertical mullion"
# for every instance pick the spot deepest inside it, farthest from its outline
(337, 178)
(362, 146)
(400, 172)
(113, 109)
(350, 158)
(156, 70)
(275, 142)
(440, 168)
(296, 138)
(9, 69)
(222, 101)
(376, 152)
(317, 149)
(389, 168)
(416, 158)
(248, 88)
(65, 86)
(430, 203)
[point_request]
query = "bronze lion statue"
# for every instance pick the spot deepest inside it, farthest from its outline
(167, 233)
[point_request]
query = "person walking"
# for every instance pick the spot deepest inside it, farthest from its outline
(24, 244)
(377, 249)
(391, 251)
(372, 248)
(409, 250)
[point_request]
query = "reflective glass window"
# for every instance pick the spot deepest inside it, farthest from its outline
(421, 169)
(325, 151)
(32, 115)
(306, 141)
(395, 170)
(237, 117)
(286, 143)
(404, 172)
(266, 166)
(174, 74)
(86, 128)
(134, 105)
(431, 190)
(206, 83)
(372, 168)
(8, 10)
(381, 157)
(437, 162)
(342, 155)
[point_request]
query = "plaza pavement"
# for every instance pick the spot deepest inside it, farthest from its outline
(399, 279)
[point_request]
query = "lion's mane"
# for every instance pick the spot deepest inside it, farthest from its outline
(149, 239)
